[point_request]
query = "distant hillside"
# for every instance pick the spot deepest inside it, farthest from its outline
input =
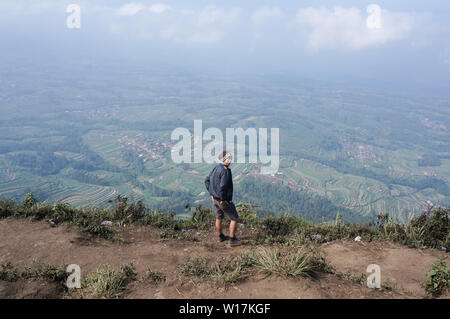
(271, 199)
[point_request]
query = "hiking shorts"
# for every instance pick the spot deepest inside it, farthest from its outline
(228, 209)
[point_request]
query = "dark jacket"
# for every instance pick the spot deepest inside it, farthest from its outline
(219, 183)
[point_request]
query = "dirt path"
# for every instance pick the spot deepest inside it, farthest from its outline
(21, 241)
(401, 267)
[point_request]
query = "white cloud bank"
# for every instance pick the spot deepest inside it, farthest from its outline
(207, 25)
(320, 28)
(349, 28)
(134, 8)
(204, 26)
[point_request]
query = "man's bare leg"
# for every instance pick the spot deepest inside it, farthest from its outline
(218, 227)
(233, 226)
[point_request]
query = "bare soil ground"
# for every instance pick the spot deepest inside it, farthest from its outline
(402, 269)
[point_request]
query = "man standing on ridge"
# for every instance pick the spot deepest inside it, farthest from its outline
(219, 184)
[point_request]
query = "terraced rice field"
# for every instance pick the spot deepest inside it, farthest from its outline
(73, 156)
(354, 192)
(81, 194)
(16, 183)
(106, 145)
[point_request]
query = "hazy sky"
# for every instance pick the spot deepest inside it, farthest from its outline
(406, 45)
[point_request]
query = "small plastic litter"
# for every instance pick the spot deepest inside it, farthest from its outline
(106, 223)
(52, 223)
(316, 237)
(358, 238)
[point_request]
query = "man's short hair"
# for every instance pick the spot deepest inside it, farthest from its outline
(224, 155)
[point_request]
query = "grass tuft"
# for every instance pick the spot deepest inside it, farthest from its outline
(290, 264)
(154, 277)
(107, 283)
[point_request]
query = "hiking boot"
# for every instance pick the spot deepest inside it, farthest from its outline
(222, 237)
(235, 242)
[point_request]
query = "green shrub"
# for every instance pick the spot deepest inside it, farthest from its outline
(224, 271)
(247, 215)
(8, 272)
(415, 235)
(126, 213)
(348, 276)
(319, 263)
(201, 218)
(48, 272)
(90, 221)
(439, 278)
(29, 200)
(437, 228)
(430, 229)
(394, 231)
(281, 225)
(158, 219)
(195, 267)
(6, 208)
(38, 211)
(382, 220)
(155, 277)
(62, 213)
